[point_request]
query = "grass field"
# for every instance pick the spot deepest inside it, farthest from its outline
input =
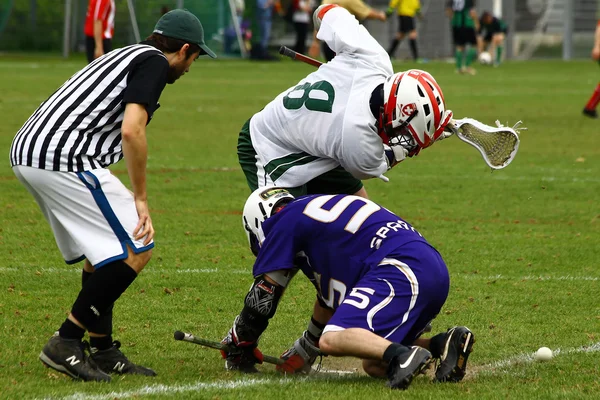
(522, 244)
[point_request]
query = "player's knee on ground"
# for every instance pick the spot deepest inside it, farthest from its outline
(329, 344)
(138, 261)
(375, 368)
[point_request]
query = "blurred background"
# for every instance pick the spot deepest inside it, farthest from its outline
(537, 28)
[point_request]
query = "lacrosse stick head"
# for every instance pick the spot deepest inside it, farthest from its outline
(498, 145)
(261, 204)
(414, 111)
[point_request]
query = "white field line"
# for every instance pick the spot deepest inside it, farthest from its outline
(150, 270)
(174, 389)
(491, 368)
(526, 358)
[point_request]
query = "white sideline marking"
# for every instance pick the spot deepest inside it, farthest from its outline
(491, 368)
(529, 358)
(71, 270)
(173, 389)
(527, 277)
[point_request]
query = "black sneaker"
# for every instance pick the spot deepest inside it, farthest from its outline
(113, 360)
(590, 113)
(68, 356)
(406, 366)
(453, 362)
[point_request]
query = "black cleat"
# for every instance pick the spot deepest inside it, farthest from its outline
(406, 366)
(590, 113)
(453, 362)
(114, 361)
(68, 356)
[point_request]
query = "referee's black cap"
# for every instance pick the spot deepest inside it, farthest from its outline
(182, 24)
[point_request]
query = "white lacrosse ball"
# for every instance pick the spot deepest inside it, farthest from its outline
(485, 58)
(543, 354)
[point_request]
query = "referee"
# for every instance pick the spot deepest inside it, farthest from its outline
(60, 155)
(407, 10)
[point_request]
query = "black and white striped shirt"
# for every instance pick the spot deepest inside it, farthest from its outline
(78, 128)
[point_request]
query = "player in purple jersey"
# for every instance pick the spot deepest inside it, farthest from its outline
(379, 284)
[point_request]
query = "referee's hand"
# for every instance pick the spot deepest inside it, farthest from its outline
(144, 227)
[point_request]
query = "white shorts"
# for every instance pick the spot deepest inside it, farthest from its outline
(91, 213)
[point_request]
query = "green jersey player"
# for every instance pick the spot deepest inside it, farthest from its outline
(464, 21)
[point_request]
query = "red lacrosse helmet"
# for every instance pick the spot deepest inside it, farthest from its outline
(414, 112)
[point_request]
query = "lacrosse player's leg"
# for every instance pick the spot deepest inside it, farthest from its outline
(384, 313)
(590, 107)
(498, 43)
(459, 47)
(336, 181)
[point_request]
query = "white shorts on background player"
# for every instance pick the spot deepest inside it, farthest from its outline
(91, 213)
(347, 135)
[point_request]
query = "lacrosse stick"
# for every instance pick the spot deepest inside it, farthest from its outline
(188, 337)
(498, 145)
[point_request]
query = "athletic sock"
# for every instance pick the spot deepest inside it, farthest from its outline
(471, 53)
(100, 291)
(458, 55)
(69, 330)
(101, 342)
(499, 54)
(594, 100)
(104, 325)
(393, 350)
(85, 276)
(413, 49)
(393, 47)
(436, 346)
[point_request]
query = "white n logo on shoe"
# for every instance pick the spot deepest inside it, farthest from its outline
(73, 360)
(119, 366)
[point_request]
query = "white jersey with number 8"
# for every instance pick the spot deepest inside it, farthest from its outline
(325, 120)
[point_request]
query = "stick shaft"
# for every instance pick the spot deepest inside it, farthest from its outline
(188, 337)
(286, 51)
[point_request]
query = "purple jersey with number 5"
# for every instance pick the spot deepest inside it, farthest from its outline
(335, 240)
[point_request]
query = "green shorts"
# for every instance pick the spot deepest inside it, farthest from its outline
(336, 181)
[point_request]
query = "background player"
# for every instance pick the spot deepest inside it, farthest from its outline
(590, 107)
(99, 28)
(379, 283)
(463, 17)
(61, 155)
(492, 33)
(407, 10)
(352, 119)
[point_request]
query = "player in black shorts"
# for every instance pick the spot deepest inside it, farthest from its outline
(407, 10)
(464, 21)
(492, 33)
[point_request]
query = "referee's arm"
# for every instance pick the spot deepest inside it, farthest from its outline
(135, 151)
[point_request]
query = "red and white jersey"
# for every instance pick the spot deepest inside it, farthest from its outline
(103, 10)
(325, 120)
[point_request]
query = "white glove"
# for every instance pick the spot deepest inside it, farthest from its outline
(323, 8)
(394, 154)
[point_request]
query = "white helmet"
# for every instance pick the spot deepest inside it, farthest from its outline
(260, 206)
(413, 110)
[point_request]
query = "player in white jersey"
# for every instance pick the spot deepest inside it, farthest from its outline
(60, 155)
(352, 119)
